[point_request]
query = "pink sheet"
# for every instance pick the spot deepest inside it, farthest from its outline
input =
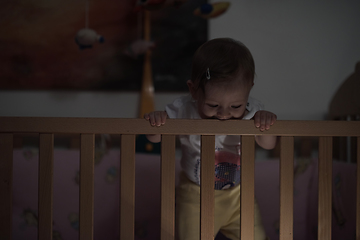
(147, 213)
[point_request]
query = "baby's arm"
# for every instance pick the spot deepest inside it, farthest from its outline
(264, 120)
(156, 118)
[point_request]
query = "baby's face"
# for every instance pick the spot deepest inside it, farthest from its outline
(224, 100)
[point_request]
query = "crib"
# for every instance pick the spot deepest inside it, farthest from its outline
(86, 128)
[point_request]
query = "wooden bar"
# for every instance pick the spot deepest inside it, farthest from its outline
(127, 187)
(325, 188)
(6, 182)
(358, 191)
(247, 204)
(87, 145)
(46, 170)
(147, 84)
(168, 187)
(286, 188)
(207, 189)
(127, 128)
(176, 126)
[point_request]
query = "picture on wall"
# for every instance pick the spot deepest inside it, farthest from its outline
(44, 45)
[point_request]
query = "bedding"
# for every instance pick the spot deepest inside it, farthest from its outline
(147, 196)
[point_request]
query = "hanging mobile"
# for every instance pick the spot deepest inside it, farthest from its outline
(86, 37)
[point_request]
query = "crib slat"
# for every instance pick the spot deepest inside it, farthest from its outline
(286, 187)
(46, 166)
(325, 188)
(207, 191)
(87, 144)
(6, 176)
(247, 187)
(168, 187)
(127, 186)
(358, 191)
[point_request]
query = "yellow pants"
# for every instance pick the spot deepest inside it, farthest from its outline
(227, 212)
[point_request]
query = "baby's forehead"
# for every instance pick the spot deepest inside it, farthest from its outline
(226, 93)
(227, 85)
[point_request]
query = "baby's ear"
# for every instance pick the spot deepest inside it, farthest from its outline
(192, 89)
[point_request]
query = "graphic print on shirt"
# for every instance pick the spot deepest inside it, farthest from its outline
(227, 169)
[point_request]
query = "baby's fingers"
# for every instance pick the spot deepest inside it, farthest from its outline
(263, 120)
(158, 118)
(267, 120)
(273, 119)
(146, 116)
(260, 120)
(257, 120)
(161, 118)
(150, 117)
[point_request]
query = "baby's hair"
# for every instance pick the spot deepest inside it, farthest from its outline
(221, 59)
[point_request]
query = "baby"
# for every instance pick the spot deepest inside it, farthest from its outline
(222, 77)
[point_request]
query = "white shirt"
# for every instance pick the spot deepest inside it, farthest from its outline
(227, 147)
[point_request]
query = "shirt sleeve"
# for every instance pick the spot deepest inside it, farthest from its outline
(253, 106)
(183, 107)
(173, 108)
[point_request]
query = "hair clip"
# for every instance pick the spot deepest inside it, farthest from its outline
(208, 74)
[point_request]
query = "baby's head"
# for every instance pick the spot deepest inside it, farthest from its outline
(222, 76)
(223, 59)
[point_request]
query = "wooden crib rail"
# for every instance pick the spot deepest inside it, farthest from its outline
(128, 128)
(176, 127)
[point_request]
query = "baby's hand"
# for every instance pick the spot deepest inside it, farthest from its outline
(264, 119)
(156, 118)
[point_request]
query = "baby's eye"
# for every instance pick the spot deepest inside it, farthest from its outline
(236, 106)
(212, 105)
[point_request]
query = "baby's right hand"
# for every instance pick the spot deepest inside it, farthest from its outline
(156, 118)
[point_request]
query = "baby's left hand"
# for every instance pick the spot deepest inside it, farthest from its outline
(264, 119)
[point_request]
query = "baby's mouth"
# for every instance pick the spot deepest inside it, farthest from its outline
(221, 119)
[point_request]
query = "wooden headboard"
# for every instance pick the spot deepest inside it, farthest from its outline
(345, 105)
(346, 102)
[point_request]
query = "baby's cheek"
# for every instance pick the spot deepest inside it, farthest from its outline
(239, 114)
(204, 113)
(208, 115)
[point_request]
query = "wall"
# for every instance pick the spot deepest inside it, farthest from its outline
(75, 104)
(303, 51)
